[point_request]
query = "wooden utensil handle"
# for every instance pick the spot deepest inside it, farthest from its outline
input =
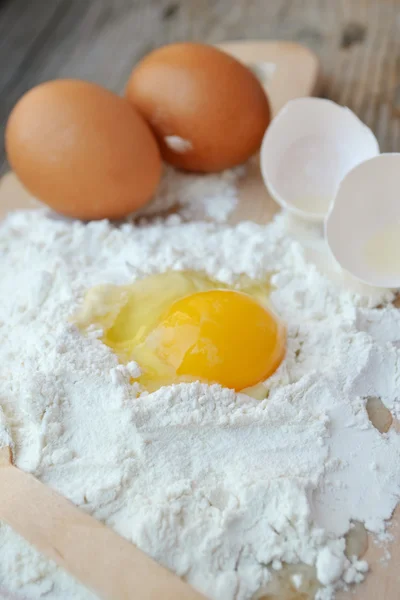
(94, 554)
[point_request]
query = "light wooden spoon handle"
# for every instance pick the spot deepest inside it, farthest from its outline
(95, 555)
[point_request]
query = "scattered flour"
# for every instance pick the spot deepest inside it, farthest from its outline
(5, 437)
(178, 144)
(297, 580)
(199, 197)
(217, 486)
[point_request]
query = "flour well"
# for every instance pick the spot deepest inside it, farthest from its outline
(219, 487)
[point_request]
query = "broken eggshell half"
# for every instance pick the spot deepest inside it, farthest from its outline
(307, 150)
(362, 228)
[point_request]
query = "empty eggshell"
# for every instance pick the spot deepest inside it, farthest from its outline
(363, 226)
(308, 148)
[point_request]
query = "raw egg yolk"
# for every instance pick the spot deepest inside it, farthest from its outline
(221, 336)
(184, 326)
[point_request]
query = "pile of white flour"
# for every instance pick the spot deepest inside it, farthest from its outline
(215, 485)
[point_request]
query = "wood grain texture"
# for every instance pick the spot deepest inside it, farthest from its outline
(357, 41)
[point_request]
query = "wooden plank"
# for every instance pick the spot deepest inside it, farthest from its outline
(94, 554)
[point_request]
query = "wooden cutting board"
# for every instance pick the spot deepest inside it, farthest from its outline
(288, 71)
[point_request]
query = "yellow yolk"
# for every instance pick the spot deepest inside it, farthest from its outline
(220, 336)
(186, 327)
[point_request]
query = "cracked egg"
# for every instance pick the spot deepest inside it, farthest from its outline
(307, 150)
(363, 226)
(184, 326)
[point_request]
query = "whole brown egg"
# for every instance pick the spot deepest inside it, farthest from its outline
(208, 111)
(83, 150)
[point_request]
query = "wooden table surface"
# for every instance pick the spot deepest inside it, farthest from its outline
(358, 42)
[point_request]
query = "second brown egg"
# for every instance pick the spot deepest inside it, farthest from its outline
(208, 111)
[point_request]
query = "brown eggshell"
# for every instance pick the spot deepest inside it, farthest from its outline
(83, 150)
(207, 98)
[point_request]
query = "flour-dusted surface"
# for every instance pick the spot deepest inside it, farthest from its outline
(5, 437)
(210, 197)
(215, 485)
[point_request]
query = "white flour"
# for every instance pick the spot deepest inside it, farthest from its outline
(215, 485)
(199, 197)
(178, 144)
(5, 437)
